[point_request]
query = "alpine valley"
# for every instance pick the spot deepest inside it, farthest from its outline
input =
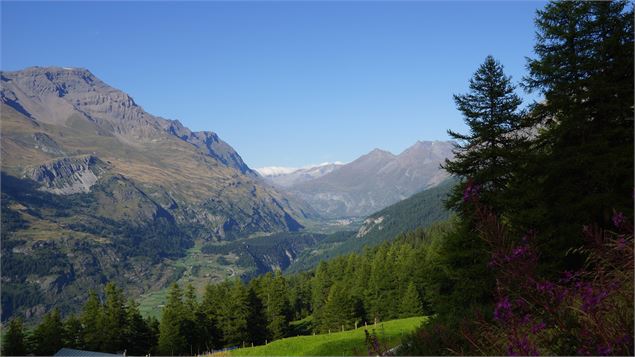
(95, 189)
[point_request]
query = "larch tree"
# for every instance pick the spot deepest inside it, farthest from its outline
(13, 341)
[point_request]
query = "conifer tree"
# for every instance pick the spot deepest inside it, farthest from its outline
(338, 310)
(485, 154)
(237, 315)
(138, 335)
(210, 309)
(114, 319)
(321, 285)
(257, 321)
(13, 341)
(171, 341)
(92, 319)
(74, 337)
(410, 302)
(48, 335)
(277, 307)
(584, 69)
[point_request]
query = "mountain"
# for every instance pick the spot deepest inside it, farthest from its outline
(94, 188)
(287, 177)
(375, 180)
(418, 211)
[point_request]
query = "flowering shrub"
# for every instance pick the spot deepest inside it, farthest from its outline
(586, 312)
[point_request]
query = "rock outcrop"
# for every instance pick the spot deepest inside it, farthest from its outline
(68, 175)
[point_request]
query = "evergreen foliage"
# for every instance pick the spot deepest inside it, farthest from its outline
(566, 168)
(171, 339)
(47, 337)
(410, 302)
(13, 342)
(486, 155)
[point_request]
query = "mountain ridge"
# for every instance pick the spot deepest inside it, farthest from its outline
(375, 180)
(97, 189)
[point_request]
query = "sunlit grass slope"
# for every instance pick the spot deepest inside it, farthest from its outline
(335, 344)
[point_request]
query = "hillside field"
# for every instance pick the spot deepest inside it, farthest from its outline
(345, 343)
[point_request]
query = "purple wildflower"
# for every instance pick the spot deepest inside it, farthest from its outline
(620, 243)
(522, 347)
(591, 299)
(503, 310)
(471, 191)
(618, 219)
(538, 327)
(605, 350)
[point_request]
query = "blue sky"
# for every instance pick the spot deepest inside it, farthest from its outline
(285, 83)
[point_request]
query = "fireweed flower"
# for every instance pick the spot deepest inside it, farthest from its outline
(605, 350)
(538, 327)
(618, 219)
(503, 311)
(471, 191)
(521, 347)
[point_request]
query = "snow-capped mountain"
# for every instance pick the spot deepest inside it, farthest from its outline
(289, 176)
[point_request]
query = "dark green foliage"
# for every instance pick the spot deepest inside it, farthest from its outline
(339, 310)
(486, 154)
(276, 303)
(92, 319)
(171, 339)
(572, 169)
(140, 338)
(457, 275)
(237, 316)
(13, 341)
(410, 302)
(47, 338)
(581, 165)
(114, 320)
(74, 337)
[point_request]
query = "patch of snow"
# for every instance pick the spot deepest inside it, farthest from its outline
(275, 170)
(269, 171)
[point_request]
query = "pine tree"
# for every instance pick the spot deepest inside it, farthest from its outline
(114, 319)
(410, 302)
(338, 310)
(74, 337)
(171, 341)
(189, 324)
(277, 307)
(48, 335)
(257, 320)
(237, 315)
(584, 68)
(92, 319)
(13, 341)
(210, 309)
(485, 155)
(139, 337)
(321, 285)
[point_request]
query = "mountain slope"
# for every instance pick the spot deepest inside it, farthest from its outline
(103, 190)
(418, 211)
(375, 180)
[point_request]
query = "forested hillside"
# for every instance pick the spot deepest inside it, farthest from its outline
(418, 211)
(536, 259)
(378, 284)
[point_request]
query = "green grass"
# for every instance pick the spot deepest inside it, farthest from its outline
(345, 343)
